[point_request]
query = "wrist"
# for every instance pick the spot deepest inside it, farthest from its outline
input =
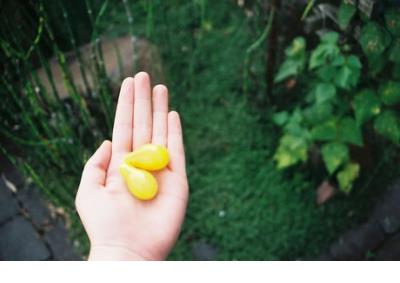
(115, 253)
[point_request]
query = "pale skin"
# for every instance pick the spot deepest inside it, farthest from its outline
(119, 226)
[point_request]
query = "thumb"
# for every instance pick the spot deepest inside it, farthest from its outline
(95, 171)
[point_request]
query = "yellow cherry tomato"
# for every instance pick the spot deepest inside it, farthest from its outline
(141, 183)
(149, 157)
(135, 167)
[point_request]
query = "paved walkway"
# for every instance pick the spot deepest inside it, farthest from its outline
(29, 230)
(376, 239)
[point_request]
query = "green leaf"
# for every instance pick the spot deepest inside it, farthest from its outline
(287, 70)
(294, 126)
(345, 14)
(296, 116)
(326, 131)
(284, 158)
(297, 48)
(374, 39)
(387, 124)
(389, 92)
(347, 176)
(326, 73)
(316, 114)
(349, 131)
(353, 62)
(330, 38)
(338, 60)
(376, 63)
(348, 75)
(396, 71)
(291, 150)
(365, 105)
(344, 77)
(392, 20)
(297, 130)
(394, 52)
(280, 118)
(334, 154)
(326, 50)
(294, 62)
(324, 92)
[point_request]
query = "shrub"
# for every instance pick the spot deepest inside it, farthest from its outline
(340, 97)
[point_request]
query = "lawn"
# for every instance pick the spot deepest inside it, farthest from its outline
(239, 202)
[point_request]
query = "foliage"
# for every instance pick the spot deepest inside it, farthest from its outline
(339, 104)
(49, 132)
(345, 14)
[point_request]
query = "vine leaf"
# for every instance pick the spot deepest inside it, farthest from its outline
(327, 49)
(376, 63)
(374, 39)
(349, 73)
(396, 71)
(347, 176)
(349, 131)
(324, 92)
(394, 52)
(366, 105)
(280, 118)
(334, 154)
(295, 60)
(392, 20)
(345, 14)
(387, 124)
(326, 131)
(291, 150)
(326, 73)
(389, 92)
(318, 113)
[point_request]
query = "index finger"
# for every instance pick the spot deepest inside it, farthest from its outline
(122, 132)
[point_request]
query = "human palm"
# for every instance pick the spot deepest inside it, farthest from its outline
(120, 226)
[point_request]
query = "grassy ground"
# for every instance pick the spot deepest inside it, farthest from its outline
(239, 202)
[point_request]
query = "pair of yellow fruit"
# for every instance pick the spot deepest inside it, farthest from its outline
(136, 167)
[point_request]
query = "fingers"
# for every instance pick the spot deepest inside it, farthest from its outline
(142, 121)
(160, 115)
(95, 171)
(175, 144)
(122, 132)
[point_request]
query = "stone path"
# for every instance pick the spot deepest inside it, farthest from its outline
(29, 230)
(376, 239)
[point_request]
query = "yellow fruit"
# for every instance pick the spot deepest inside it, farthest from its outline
(149, 157)
(141, 183)
(135, 167)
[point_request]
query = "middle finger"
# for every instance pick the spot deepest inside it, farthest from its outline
(142, 121)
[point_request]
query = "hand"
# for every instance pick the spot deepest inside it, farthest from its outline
(119, 226)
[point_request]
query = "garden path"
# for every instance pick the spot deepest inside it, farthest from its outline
(30, 228)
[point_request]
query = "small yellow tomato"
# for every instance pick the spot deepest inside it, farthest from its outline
(134, 170)
(149, 157)
(141, 183)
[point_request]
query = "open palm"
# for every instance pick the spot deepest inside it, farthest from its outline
(118, 225)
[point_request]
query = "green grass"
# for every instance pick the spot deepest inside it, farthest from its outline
(238, 201)
(268, 214)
